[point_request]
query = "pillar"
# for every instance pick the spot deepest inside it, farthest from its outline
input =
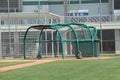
(117, 41)
(0, 42)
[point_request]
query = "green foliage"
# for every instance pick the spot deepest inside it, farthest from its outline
(68, 70)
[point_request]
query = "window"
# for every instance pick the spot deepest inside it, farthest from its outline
(108, 39)
(94, 1)
(42, 2)
(61, 2)
(117, 4)
(12, 3)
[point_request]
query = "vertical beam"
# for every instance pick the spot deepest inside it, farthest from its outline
(52, 43)
(0, 41)
(65, 44)
(65, 11)
(39, 7)
(117, 41)
(16, 42)
(101, 40)
(68, 6)
(70, 44)
(20, 5)
(112, 11)
(45, 19)
(9, 30)
(51, 21)
(46, 43)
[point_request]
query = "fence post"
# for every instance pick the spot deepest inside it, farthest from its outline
(0, 42)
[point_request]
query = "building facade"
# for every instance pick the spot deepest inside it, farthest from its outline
(74, 7)
(83, 11)
(32, 12)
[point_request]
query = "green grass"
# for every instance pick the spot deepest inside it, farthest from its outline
(4, 64)
(68, 70)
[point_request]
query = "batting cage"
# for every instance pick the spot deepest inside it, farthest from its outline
(61, 40)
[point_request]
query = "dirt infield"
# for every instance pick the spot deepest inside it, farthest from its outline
(41, 61)
(30, 63)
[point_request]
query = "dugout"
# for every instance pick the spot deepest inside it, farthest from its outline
(68, 37)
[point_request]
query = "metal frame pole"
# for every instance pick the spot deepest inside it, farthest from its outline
(0, 41)
(9, 26)
(39, 11)
(101, 40)
(112, 11)
(70, 44)
(52, 43)
(68, 7)
(46, 43)
(65, 10)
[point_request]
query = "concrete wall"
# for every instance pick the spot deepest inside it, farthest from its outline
(34, 8)
(57, 9)
(93, 8)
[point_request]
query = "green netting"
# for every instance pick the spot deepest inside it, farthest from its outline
(67, 39)
(87, 51)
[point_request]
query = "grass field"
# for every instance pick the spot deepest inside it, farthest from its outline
(4, 64)
(108, 69)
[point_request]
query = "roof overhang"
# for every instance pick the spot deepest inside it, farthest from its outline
(40, 27)
(25, 15)
(107, 25)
